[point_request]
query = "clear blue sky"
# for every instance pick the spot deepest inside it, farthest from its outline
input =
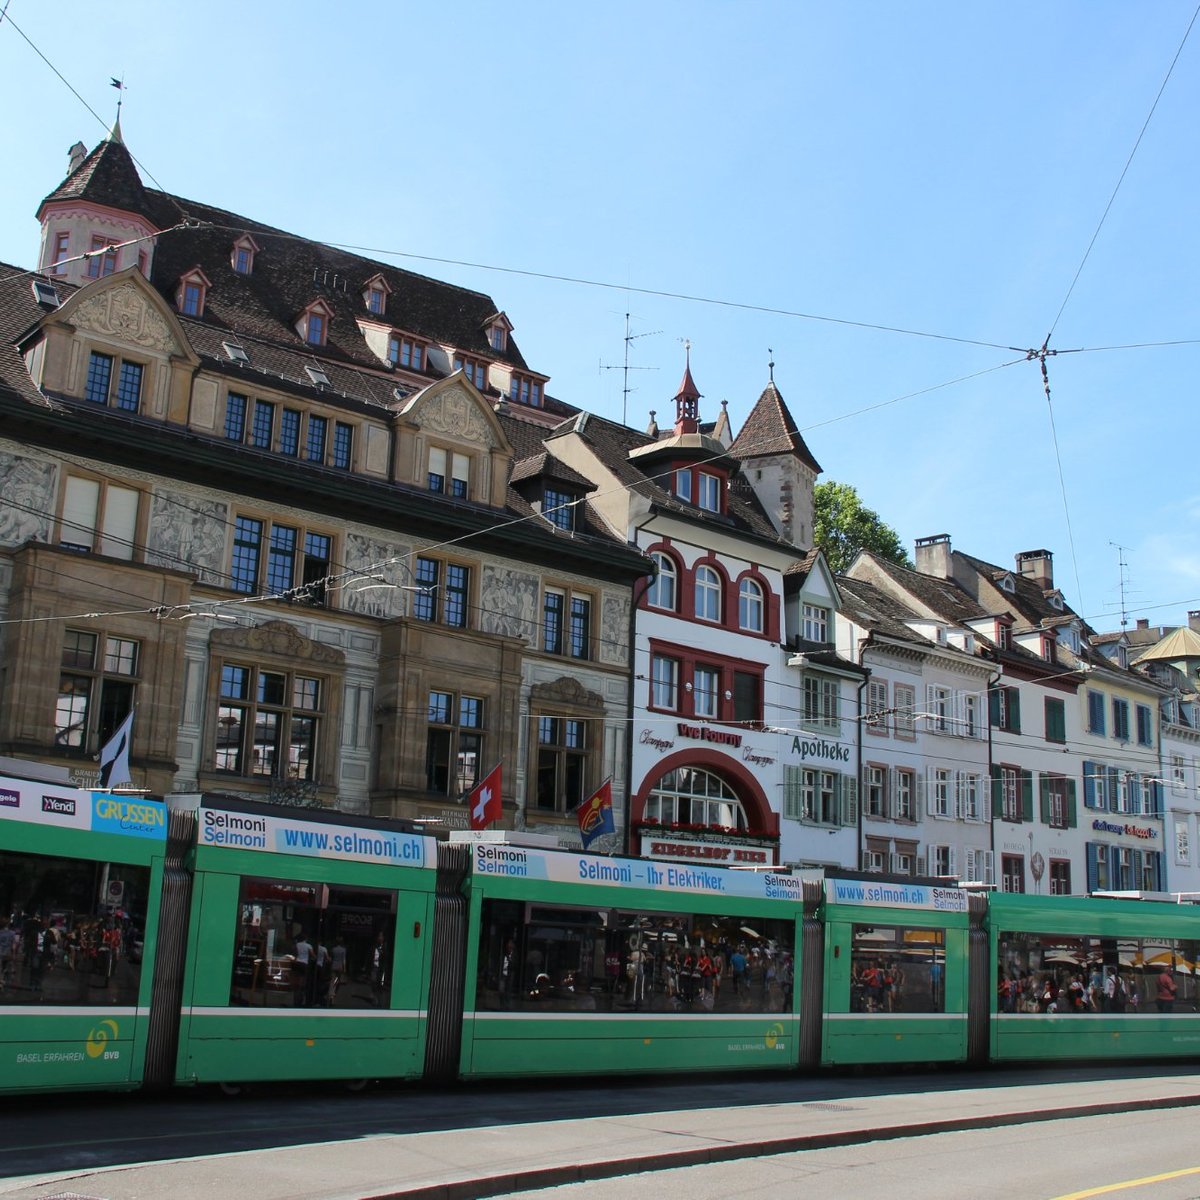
(940, 167)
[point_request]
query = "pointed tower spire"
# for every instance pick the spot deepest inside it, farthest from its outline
(687, 399)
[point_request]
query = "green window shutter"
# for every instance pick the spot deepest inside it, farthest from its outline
(1044, 796)
(1014, 710)
(849, 800)
(997, 795)
(1026, 796)
(994, 706)
(1072, 812)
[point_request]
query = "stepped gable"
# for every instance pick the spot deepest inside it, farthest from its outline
(771, 429)
(108, 176)
(612, 443)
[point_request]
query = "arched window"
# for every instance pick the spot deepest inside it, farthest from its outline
(750, 606)
(693, 796)
(708, 594)
(662, 589)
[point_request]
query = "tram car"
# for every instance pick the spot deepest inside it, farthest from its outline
(233, 942)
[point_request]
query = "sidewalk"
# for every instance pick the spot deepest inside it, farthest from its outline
(464, 1164)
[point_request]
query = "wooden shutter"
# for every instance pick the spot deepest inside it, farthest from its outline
(1026, 795)
(849, 800)
(1044, 796)
(1072, 807)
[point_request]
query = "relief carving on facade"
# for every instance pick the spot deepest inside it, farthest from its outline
(456, 414)
(188, 534)
(614, 629)
(124, 312)
(367, 555)
(508, 603)
(565, 691)
(279, 639)
(29, 491)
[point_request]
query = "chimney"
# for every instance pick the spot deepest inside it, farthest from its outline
(933, 556)
(76, 154)
(1143, 622)
(1037, 565)
(1194, 619)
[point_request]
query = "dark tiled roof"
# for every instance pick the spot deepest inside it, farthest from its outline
(800, 569)
(107, 176)
(770, 429)
(942, 596)
(19, 313)
(1028, 599)
(867, 605)
(613, 442)
(546, 466)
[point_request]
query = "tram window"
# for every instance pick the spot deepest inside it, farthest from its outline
(1070, 973)
(897, 970)
(534, 958)
(312, 945)
(71, 931)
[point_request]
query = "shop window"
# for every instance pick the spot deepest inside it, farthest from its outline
(750, 606)
(96, 688)
(77, 948)
(99, 516)
(562, 763)
(268, 723)
(279, 559)
(454, 744)
(313, 945)
(664, 585)
(444, 594)
(693, 796)
(624, 962)
(897, 970)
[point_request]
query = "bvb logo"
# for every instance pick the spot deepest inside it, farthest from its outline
(99, 1037)
(774, 1035)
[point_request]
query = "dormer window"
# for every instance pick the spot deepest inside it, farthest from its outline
(683, 485)
(241, 257)
(497, 331)
(313, 325)
(525, 390)
(473, 369)
(375, 295)
(558, 507)
(191, 293)
(1004, 637)
(1007, 584)
(406, 352)
(708, 491)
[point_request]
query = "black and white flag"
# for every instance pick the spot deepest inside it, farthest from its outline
(114, 758)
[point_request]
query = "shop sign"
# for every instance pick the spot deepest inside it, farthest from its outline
(897, 895)
(661, 744)
(819, 748)
(1138, 831)
(706, 733)
(70, 808)
(680, 879)
(283, 835)
(752, 756)
(721, 853)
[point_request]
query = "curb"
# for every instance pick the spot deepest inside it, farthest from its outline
(546, 1177)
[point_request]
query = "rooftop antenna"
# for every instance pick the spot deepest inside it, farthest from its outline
(625, 368)
(1123, 579)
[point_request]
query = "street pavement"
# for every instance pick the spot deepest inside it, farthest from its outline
(463, 1164)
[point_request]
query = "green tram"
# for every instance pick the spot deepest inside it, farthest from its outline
(81, 881)
(627, 965)
(1089, 977)
(230, 941)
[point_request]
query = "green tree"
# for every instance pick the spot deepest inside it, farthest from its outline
(843, 525)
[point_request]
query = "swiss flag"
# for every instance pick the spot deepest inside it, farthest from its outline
(483, 803)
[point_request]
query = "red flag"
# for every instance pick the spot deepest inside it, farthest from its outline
(483, 804)
(595, 814)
